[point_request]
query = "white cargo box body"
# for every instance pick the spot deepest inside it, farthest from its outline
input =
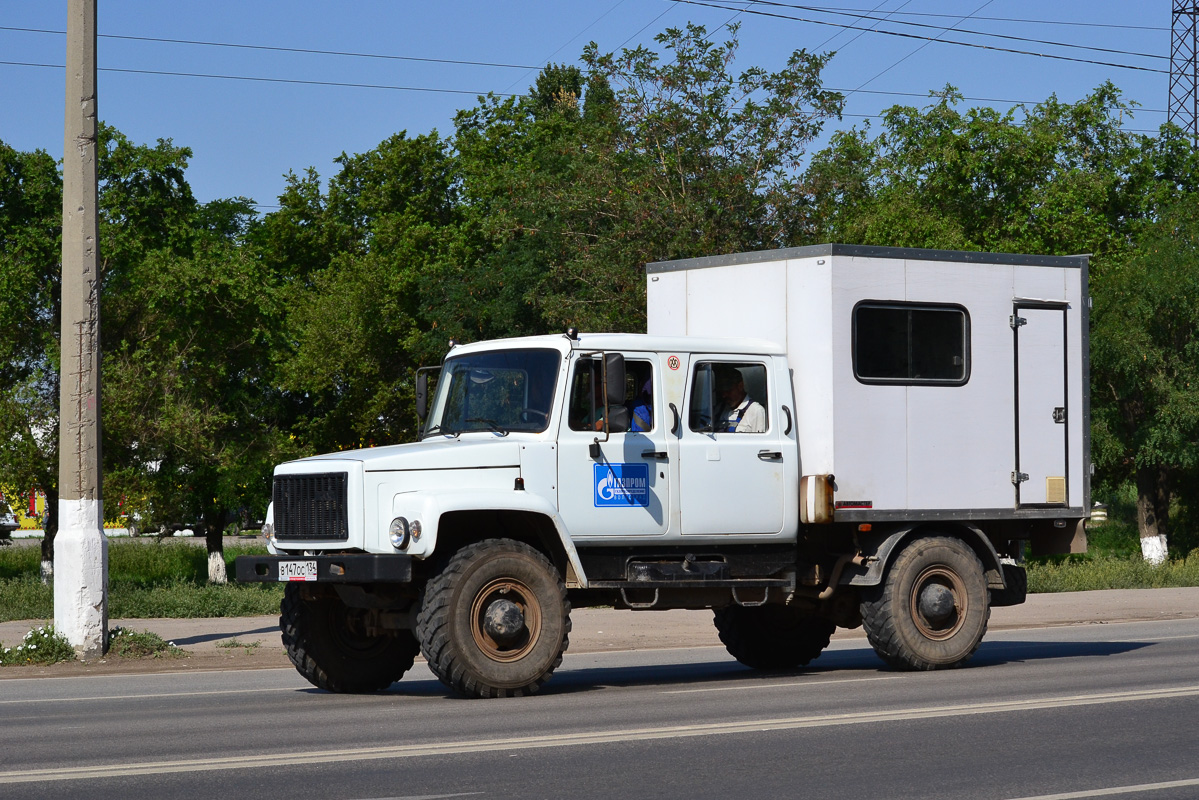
(996, 428)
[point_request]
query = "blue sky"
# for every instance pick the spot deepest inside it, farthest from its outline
(246, 135)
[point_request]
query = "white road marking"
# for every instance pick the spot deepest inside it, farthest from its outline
(1114, 790)
(148, 696)
(427, 796)
(786, 685)
(91, 772)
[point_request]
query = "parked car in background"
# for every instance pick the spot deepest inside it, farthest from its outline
(8, 521)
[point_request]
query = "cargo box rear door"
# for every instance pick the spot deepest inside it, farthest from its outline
(1042, 460)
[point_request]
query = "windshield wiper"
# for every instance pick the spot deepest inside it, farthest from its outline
(439, 429)
(490, 423)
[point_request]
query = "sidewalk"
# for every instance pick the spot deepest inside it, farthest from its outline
(253, 642)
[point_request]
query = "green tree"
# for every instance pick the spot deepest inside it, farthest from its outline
(568, 196)
(1145, 363)
(30, 253)
(368, 304)
(191, 414)
(1059, 178)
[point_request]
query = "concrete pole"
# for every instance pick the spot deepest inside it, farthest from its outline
(81, 547)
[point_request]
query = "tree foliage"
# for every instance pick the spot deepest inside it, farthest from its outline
(1145, 362)
(234, 341)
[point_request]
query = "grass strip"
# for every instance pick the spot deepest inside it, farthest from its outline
(146, 579)
(1112, 572)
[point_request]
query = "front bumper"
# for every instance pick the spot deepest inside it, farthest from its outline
(340, 568)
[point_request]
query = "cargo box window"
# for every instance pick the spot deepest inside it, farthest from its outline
(911, 344)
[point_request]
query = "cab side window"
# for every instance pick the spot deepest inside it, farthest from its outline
(586, 412)
(728, 397)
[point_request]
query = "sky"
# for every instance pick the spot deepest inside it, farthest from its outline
(246, 135)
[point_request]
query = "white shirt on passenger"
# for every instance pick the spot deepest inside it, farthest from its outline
(748, 417)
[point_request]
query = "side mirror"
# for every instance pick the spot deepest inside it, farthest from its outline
(614, 379)
(422, 391)
(617, 419)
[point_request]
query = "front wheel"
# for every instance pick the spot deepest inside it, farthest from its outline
(328, 644)
(931, 610)
(495, 621)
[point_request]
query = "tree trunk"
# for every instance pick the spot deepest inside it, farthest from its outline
(49, 529)
(1153, 513)
(214, 530)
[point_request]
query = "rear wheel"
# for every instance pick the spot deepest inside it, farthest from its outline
(495, 621)
(772, 636)
(328, 644)
(931, 610)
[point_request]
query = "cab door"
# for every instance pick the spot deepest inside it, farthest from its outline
(623, 489)
(732, 474)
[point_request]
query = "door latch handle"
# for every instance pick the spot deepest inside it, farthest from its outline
(653, 454)
(770, 455)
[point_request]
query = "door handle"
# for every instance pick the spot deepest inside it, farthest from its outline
(770, 455)
(653, 454)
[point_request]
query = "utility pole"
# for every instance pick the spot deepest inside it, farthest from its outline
(81, 547)
(1184, 77)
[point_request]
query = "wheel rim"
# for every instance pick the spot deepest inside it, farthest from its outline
(505, 591)
(930, 589)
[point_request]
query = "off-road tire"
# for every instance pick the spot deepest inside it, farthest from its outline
(322, 642)
(455, 640)
(1015, 590)
(897, 628)
(772, 636)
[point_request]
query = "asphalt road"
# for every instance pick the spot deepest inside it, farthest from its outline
(1063, 712)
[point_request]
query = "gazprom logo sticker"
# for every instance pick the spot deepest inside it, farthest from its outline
(621, 485)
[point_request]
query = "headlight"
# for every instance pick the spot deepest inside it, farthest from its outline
(400, 533)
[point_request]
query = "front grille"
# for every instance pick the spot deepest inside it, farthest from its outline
(311, 507)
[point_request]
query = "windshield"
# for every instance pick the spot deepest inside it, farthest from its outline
(500, 391)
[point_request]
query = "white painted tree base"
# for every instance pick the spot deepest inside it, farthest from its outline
(81, 577)
(1153, 549)
(216, 568)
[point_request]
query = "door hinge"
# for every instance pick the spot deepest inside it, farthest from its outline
(1019, 477)
(1016, 321)
(1059, 415)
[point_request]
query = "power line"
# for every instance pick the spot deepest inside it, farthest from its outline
(929, 38)
(273, 48)
(568, 41)
(462, 91)
(265, 80)
(881, 116)
(942, 28)
(668, 9)
(861, 32)
(971, 99)
(921, 47)
(989, 19)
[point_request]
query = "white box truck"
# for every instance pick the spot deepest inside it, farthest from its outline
(805, 439)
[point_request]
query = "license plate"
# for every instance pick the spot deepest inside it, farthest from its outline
(297, 570)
